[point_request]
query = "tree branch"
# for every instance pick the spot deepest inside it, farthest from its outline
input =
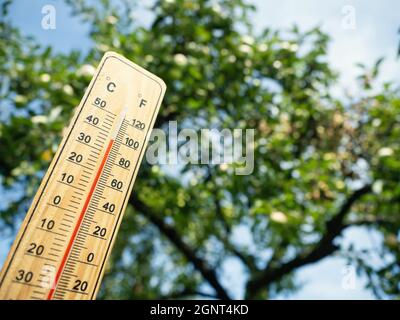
(371, 221)
(172, 234)
(247, 259)
(186, 293)
(324, 248)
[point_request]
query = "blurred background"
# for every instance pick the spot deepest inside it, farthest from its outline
(319, 216)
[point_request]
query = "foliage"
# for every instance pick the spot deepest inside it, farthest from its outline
(322, 164)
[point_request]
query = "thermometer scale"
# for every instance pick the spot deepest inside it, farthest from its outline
(67, 235)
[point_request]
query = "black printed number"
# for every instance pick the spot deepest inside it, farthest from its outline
(84, 137)
(138, 124)
(124, 163)
(90, 257)
(132, 143)
(57, 200)
(110, 207)
(80, 285)
(98, 231)
(36, 249)
(75, 157)
(68, 178)
(93, 120)
(116, 184)
(24, 276)
(99, 102)
(47, 224)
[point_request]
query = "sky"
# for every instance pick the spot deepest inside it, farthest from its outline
(361, 32)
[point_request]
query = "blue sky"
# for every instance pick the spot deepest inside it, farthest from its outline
(373, 36)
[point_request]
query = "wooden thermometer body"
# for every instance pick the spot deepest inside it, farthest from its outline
(63, 244)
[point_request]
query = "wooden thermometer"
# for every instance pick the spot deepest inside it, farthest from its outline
(63, 244)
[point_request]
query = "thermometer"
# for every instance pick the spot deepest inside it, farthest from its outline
(67, 235)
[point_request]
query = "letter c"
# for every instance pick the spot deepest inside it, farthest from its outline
(111, 86)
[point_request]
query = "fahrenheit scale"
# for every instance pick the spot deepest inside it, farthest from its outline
(63, 244)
